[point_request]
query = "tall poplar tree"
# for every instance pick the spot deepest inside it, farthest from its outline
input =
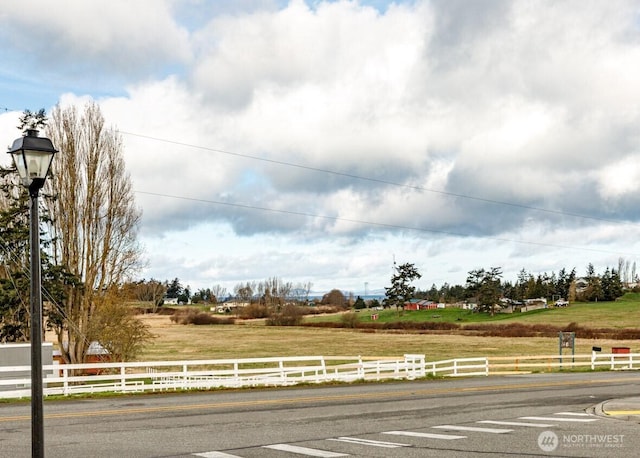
(94, 222)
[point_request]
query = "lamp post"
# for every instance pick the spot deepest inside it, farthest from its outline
(32, 156)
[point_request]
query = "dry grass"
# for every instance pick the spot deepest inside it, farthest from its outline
(176, 342)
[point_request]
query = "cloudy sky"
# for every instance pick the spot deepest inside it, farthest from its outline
(319, 141)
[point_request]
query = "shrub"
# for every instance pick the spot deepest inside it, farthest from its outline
(291, 315)
(206, 318)
(323, 324)
(350, 320)
(195, 316)
(254, 310)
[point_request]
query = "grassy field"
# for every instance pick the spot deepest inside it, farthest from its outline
(254, 339)
(623, 313)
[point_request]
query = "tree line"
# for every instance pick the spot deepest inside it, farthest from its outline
(272, 291)
(487, 286)
(486, 289)
(483, 286)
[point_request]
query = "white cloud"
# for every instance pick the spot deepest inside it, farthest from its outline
(98, 39)
(524, 102)
(620, 178)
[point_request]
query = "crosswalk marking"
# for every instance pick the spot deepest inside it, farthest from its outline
(474, 428)
(548, 422)
(582, 420)
(304, 450)
(355, 440)
(516, 423)
(215, 455)
(425, 435)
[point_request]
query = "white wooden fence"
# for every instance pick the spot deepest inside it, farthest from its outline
(68, 379)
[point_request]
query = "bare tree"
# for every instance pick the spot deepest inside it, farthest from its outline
(94, 219)
(151, 291)
(219, 292)
(244, 292)
(623, 271)
(300, 292)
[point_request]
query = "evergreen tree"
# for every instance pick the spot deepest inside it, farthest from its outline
(485, 286)
(174, 288)
(359, 304)
(401, 289)
(594, 285)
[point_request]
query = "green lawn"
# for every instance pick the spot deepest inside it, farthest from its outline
(624, 313)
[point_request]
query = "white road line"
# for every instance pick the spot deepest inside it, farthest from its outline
(582, 420)
(575, 414)
(215, 455)
(355, 440)
(516, 423)
(304, 450)
(474, 428)
(425, 435)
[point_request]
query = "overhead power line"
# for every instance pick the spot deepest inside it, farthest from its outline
(383, 225)
(374, 180)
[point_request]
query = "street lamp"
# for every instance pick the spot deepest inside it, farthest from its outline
(32, 156)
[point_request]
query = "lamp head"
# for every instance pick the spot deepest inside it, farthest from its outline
(32, 156)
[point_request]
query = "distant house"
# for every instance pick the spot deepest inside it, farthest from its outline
(96, 353)
(420, 304)
(581, 284)
(510, 306)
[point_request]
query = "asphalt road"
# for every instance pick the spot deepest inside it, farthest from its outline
(524, 415)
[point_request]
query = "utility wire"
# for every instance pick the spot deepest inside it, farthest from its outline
(374, 180)
(384, 225)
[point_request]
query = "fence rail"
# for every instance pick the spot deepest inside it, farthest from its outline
(68, 379)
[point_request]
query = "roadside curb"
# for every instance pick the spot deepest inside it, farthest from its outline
(619, 409)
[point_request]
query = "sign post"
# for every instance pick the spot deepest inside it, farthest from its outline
(567, 340)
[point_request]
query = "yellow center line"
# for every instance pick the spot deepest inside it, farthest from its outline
(622, 412)
(328, 398)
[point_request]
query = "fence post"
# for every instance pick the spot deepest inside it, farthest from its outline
(409, 366)
(123, 382)
(455, 367)
(324, 368)
(486, 367)
(593, 360)
(65, 381)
